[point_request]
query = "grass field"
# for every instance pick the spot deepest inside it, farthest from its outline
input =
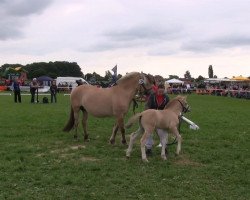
(39, 161)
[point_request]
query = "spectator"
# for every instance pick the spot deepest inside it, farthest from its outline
(33, 89)
(17, 91)
(53, 92)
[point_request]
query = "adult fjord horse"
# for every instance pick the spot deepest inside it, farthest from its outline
(106, 102)
(150, 119)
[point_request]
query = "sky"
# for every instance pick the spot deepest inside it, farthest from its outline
(161, 37)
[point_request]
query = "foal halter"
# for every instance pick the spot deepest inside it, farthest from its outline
(184, 109)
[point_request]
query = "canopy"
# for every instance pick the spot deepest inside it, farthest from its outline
(177, 81)
(240, 78)
(217, 80)
(44, 78)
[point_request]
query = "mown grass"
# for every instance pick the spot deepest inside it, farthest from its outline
(39, 161)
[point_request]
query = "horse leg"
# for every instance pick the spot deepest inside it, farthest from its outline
(114, 131)
(143, 150)
(84, 125)
(121, 126)
(76, 117)
(133, 136)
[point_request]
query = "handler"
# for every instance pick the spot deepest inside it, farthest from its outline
(157, 100)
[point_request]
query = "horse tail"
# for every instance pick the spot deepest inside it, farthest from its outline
(71, 122)
(132, 120)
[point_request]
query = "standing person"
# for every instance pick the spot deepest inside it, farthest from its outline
(157, 100)
(33, 89)
(17, 91)
(53, 91)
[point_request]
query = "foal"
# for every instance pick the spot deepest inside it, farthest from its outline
(149, 120)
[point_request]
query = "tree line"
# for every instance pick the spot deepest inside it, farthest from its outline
(64, 68)
(51, 69)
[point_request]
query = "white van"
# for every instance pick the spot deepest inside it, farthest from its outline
(69, 81)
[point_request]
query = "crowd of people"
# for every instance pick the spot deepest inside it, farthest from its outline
(34, 85)
(234, 90)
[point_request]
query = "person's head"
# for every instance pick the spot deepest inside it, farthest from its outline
(34, 80)
(161, 89)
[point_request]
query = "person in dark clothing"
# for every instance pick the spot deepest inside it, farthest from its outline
(33, 88)
(53, 91)
(17, 91)
(157, 100)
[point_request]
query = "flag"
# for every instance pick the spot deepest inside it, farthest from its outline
(115, 70)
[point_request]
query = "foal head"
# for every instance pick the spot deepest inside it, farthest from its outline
(181, 102)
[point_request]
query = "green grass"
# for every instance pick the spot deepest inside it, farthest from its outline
(39, 161)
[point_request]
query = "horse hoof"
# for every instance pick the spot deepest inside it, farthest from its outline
(75, 137)
(124, 142)
(127, 157)
(86, 139)
(145, 160)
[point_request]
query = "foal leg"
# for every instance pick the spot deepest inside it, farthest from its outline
(162, 134)
(84, 125)
(114, 131)
(143, 142)
(133, 136)
(179, 140)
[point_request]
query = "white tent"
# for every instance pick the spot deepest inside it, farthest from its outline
(176, 81)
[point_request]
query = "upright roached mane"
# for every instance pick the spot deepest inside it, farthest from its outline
(106, 102)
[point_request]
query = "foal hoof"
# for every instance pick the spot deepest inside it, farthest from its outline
(112, 141)
(164, 157)
(86, 140)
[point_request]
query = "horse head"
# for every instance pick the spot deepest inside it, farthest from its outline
(146, 82)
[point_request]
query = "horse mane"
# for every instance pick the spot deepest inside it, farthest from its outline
(127, 77)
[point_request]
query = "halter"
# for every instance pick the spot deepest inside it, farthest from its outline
(142, 84)
(184, 109)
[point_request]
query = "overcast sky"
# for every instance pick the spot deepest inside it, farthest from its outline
(161, 37)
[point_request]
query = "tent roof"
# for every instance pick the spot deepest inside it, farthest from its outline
(217, 80)
(44, 78)
(174, 80)
(240, 78)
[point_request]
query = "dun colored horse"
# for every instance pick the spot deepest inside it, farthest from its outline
(149, 120)
(107, 102)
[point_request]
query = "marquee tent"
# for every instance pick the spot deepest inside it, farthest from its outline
(175, 81)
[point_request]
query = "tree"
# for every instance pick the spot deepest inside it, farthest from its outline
(210, 71)
(173, 76)
(187, 75)
(199, 79)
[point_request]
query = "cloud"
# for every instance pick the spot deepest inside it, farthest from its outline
(219, 42)
(14, 15)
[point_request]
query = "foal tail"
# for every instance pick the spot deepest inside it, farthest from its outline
(133, 119)
(71, 122)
